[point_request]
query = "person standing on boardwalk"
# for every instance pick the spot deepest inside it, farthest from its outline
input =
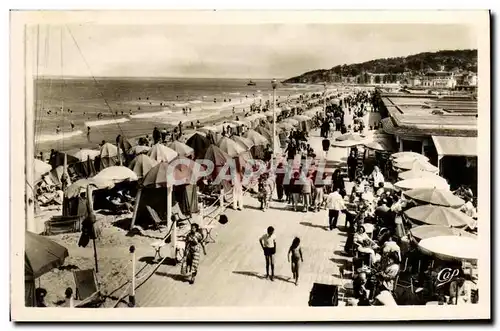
(268, 244)
(295, 257)
(335, 204)
(194, 243)
(352, 164)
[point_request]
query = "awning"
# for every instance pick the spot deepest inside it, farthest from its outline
(388, 125)
(456, 146)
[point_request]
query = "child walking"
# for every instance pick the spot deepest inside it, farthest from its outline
(295, 257)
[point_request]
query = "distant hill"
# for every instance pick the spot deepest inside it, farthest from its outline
(412, 64)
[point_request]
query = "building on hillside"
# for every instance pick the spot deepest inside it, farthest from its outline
(439, 79)
(442, 128)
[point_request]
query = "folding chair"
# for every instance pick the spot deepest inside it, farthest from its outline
(155, 217)
(86, 284)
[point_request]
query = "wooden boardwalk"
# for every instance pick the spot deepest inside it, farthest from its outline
(232, 273)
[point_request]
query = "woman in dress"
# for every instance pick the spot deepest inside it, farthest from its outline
(194, 243)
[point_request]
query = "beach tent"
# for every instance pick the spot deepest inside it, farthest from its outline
(165, 188)
(85, 154)
(265, 133)
(109, 157)
(230, 147)
(256, 138)
(218, 158)
(181, 149)
(57, 159)
(209, 128)
(139, 149)
(160, 153)
(199, 144)
(244, 142)
(141, 165)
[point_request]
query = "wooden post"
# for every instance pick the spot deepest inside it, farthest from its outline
(90, 210)
(173, 236)
(131, 301)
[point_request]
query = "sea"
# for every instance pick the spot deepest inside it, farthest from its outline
(132, 107)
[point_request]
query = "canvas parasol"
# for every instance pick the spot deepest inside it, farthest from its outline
(435, 197)
(208, 128)
(77, 187)
(40, 169)
(109, 150)
(286, 126)
(244, 142)
(437, 215)
(141, 165)
(414, 183)
(301, 118)
(429, 231)
(411, 155)
(264, 132)
(85, 154)
(59, 158)
(229, 146)
(256, 138)
(181, 148)
(199, 144)
(451, 247)
(218, 158)
(346, 143)
(160, 153)
(292, 121)
(180, 171)
(350, 136)
(41, 255)
(411, 174)
(116, 174)
(139, 149)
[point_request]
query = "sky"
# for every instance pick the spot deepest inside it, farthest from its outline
(229, 51)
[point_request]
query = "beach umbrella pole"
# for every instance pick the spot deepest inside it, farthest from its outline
(173, 237)
(131, 300)
(90, 204)
(136, 208)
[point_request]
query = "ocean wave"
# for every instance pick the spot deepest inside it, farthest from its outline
(151, 114)
(57, 136)
(106, 122)
(181, 104)
(234, 93)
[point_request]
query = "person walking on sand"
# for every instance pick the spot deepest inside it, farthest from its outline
(268, 244)
(295, 258)
(194, 244)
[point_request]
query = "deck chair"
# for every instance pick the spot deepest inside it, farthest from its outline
(63, 224)
(86, 284)
(155, 217)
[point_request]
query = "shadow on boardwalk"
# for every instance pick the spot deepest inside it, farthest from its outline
(259, 276)
(309, 224)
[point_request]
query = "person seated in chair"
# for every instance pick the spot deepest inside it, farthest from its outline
(389, 274)
(366, 244)
(361, 289)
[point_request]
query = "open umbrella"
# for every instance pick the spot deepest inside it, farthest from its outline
(244, 142)
(218, 158)
(40, 169)
(409, 155)
(139, 149)
(181, 148)
(411, 174)
(292, 121)
(41, 255)
(346, 143)
(109, 150)
(451, 247)
(116, 174)
(286, 126)
(435, 197)
(141, 165)
(437, 215)
(301, 118)
(57, 159)
(85, 154)
(256, 138)
(80, 185)
(414, 183)
(180, 171)
(350, 136)
(414, 164)
(229, 146)
(160, 153)
(199, 144)
(430, 231)
(265, 133)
